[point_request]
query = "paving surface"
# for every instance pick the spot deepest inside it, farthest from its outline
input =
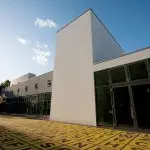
(17, 133)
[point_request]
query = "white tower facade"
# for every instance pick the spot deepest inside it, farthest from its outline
(79, 44)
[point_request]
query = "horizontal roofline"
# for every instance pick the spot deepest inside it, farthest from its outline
(32, 78)
(138, 50)
(22, 76)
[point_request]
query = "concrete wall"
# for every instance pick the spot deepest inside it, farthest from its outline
(42, 85)
(129, 58)
(104, 45)
(73, 98)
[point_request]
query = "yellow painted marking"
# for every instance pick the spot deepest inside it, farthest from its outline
(89, 141)
(5, 140)
(141, 142)
(19, 133)
(47, 145)
(63, 148)
(117, 142)
(28, 148)
(14, 145)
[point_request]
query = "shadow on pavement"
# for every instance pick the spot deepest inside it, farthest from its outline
(15, 140)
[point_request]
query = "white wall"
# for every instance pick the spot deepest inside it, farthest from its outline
(129, 58)
(104, 45)
(23, 78)
(73, 98)
(41, 80)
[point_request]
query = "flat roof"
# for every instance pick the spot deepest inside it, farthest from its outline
(30, 79)
(127, 58)
(141, 49)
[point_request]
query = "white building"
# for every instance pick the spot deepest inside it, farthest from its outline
(32, 96)
(35, 85)
(23, 78)
(82, 43)
(94, 81)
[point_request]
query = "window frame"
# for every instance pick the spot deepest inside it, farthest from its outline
(18, 90)
(133, 63)
(49, 83)
(36, 86)
(26, 89)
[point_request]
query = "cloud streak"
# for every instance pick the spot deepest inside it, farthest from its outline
(45, 23)
(22, 40)
(41, 56)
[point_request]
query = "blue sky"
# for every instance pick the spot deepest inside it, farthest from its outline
(28, 29)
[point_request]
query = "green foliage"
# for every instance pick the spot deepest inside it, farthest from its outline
(4, 84)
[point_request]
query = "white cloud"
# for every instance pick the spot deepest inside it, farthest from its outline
(22, 40)
(43, 23)
(41, 56)
(45, 46)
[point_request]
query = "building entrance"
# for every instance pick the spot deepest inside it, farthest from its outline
(103, 106)
(141, 96)
(122, 106)
(129, 94)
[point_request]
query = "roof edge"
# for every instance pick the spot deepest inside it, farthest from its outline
(107, 30)
(138, 50)
(89, 9)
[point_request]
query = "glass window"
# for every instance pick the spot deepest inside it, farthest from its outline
(118, 75)
(122, 106)
(103, 105)
(26, 88)
(138, 71)
(18, 90)
(49, 83)
(101, 78)
(149, 61)
(36, 86)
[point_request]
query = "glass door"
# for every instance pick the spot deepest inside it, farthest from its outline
(122, 106)
(103, 106)
(141, 97)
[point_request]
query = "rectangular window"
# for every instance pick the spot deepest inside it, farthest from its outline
(101, 78)
(103, 105)
(26, 88)
(36, 86)
(138, 71)
(118, 75)
(49, 83)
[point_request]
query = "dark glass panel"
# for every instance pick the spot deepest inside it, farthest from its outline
(103, 106)
(118, 75)
(101, 78)
(141, 97)
(138, 71)
(122, 106)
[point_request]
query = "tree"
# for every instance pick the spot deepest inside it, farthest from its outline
(5, 84)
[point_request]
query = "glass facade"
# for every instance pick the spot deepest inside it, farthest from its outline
(103, 105)
(101, 78)
(118, 75)
(138, 71)
(122, 95)
(103, 98)
(35, 104)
